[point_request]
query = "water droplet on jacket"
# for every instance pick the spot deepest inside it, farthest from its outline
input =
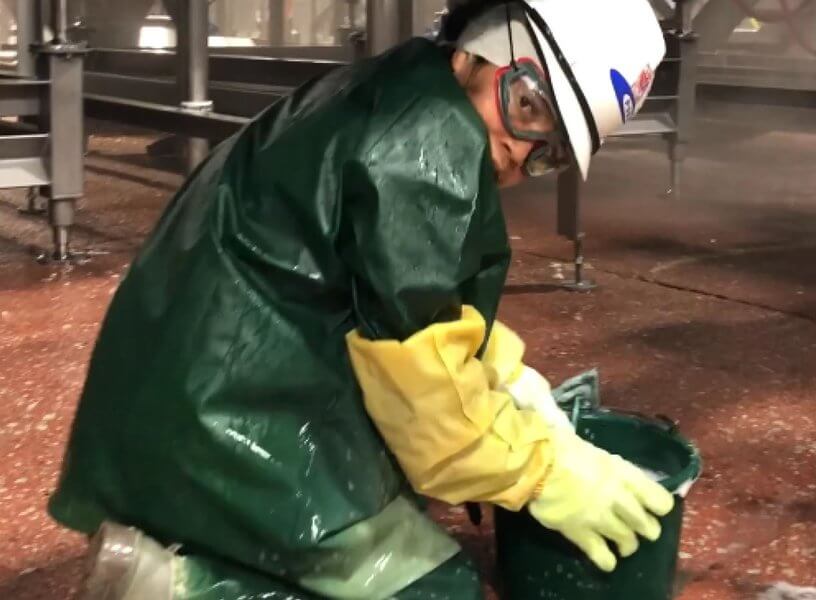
(316, 531)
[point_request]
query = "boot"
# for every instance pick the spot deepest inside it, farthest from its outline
(126, 564)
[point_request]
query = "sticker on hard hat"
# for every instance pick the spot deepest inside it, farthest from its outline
(626, 98)
(643, 84)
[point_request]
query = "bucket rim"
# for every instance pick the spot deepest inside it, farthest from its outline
(678, 483)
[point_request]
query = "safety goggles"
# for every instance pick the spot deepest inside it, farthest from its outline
(525, 104)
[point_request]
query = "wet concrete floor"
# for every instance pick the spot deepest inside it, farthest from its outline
(705, 311)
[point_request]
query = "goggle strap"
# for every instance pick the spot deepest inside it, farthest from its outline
(510, 34)
(559, 56)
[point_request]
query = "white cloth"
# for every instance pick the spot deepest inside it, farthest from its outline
(786, 591)
(531, 391)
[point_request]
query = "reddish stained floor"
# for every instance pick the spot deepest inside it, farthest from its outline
(706, 312)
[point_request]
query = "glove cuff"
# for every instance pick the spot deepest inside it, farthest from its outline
(542, 483)
(503, 355)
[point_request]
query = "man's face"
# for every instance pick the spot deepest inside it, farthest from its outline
(508, 153)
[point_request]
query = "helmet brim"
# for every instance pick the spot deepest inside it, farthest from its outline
(573, 120)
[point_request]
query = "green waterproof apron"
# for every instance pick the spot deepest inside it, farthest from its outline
(220, 409)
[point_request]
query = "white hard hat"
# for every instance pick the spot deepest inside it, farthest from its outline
(600, 57)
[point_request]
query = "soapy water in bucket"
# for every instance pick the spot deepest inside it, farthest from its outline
(659, 476)
(656, 476)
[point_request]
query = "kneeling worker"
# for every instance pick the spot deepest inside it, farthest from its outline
(308, 338)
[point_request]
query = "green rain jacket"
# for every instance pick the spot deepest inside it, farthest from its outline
(220, 409)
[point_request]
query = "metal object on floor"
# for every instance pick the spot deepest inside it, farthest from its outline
(44, 150)
(569, 226)
(579, 283)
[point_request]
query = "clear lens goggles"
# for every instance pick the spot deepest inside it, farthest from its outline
(525, 104)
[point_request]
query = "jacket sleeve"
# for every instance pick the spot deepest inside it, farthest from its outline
(503, 356)
(423, 235)
(456, 439)
(422, 231)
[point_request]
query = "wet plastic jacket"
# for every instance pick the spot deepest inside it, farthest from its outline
(221, 410)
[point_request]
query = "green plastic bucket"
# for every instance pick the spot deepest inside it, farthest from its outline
(537, 563)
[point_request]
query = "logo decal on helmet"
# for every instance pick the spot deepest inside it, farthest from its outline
(626, 98)
(643, 84)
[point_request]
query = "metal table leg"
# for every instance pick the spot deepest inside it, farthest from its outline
(194, 69)
(569, 225)
(677, 153)
(276, 23)
(29, 20)
(683, 112)
(64, 120)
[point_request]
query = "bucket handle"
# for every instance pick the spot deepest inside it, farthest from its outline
(663, 422)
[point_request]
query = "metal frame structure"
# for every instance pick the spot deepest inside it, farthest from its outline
(239, 85)
(194, 74)
(668, 113)
(777, 62)
(208, 92)
(387, 23)
(44, 149)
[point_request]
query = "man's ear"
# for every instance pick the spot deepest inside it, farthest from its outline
(463, 64)
(460, 13)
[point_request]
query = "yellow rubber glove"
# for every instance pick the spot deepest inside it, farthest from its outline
(591, 496)
(455, 438)
(506, 372)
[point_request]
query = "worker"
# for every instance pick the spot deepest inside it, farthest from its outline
(307, 344)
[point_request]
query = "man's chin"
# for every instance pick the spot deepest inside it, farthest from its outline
(509, 180)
